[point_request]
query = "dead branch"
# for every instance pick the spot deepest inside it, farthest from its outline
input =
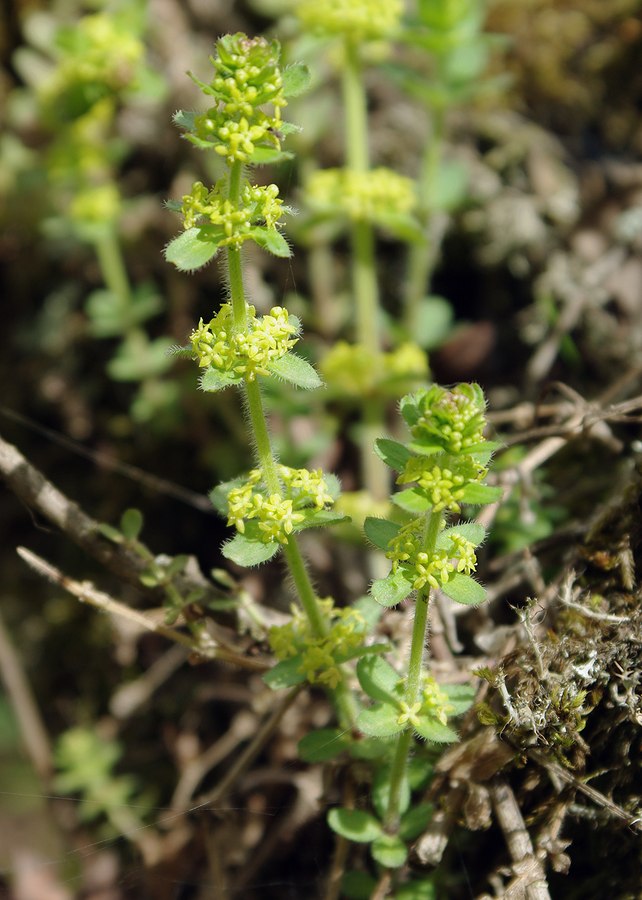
(40, 495)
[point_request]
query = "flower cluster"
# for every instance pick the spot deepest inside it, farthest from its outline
(320, 657)
(96, 204)
(433, 703)
(359, 20)
(99, 55)
(443, 479)
(450, 420)
(246, 353)
(374, 196)
(277, 514)
(247, 78)
(233, 222)
(355, 372)
(420, 568)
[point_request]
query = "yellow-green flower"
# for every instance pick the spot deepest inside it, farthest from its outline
(353, 370)
(359, 20)
(443, 478)
(277, 514)
(373, 196)
(434, 700)
(247, 353)
(320, 657)
(210, 206)
(421, 568)
(246, 83)
(409, 714)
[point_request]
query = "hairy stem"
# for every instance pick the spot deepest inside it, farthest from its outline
(343, 698)
(413, 680)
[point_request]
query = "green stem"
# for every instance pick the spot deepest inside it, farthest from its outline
(413, 681)
(364, 279)
(364, 275)
(345, 703)
(114, 272)
(356, 115)
(421, 256)
(112, 266)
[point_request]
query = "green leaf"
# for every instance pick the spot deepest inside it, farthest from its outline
(434, 322)
(296, 79)
(392, 453)
(333, 484)
(369, 748)
(271, 240)
(184, 118)
(484, 450)
(472, 531)
(320, 518)
(358, 886)
(380, 721)
(285, 674)
(188, 252)
(449, 187)
(389, 851)
(420, 771)
(380, 531)
(218, 495)
(421, 889)
(296, 370)
(411, 500)
(131, 523)
(404, 227)
(415, 820)
(212, 380)
(378, 679)
(355, 825)
(363, 650)
(111, 533)
(267, 156)
(134, 362)
(380, 793)
(245, 552)
(464, 589)
(391, 590)
(479, 494)
(432, 730)
(324, 744)
(460, 696)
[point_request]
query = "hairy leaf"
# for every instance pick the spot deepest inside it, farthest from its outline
(285, 674)
(392, 453)
(464, 589)
(378, 679)
(391, 590)
(380, 531)
(245, 552)
(296, 370)
(324, 744)
(380, 720)
(433, 730)
(188, 252)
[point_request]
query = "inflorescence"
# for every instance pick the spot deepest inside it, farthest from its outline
(358, 20)
(244, 353)
(277, 514)
(320, 657)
